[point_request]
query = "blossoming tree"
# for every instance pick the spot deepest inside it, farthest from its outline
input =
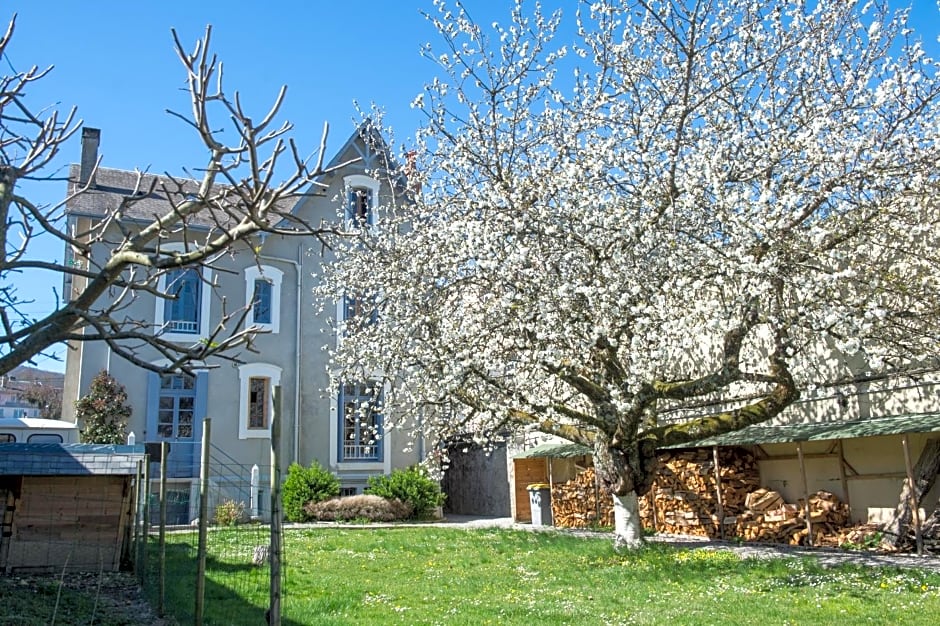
(697, 204)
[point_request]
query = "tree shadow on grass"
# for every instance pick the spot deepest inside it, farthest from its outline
(235, 594)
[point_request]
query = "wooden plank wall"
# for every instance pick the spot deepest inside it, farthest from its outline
(69, 522)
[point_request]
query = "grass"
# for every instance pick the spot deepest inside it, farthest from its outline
(456, 576)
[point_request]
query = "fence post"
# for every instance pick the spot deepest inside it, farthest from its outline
(135, 541)
(145, 524)
(253, 486)
(274, 611)
(203, 522)
(161, 595)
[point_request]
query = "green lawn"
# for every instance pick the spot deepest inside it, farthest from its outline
(454, 576)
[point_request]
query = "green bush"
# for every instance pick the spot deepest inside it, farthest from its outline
(306, 484)
(412, 486)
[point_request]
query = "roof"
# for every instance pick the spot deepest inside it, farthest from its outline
(555, 450)
(788, 433)
(69, 459)
(758, 434)
(113, 185)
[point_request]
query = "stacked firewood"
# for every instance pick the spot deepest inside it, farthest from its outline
(582, 503)
(684, 500)
(768, 518)
(684, 497)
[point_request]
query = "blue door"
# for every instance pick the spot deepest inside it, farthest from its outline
(176, 408)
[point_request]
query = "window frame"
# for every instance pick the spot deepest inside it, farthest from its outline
(204, 307)
(352, 184)
(275, 278)
(378, 424)
(246, 373)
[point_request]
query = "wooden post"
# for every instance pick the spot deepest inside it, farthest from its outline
(145, 523)
(721, 506)
(915, 505)
(161, 595)
(135, 542)
(842, 477)
(809, 521)
(274, 600)
(203, 522)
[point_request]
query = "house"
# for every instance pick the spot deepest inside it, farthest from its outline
(319, 422)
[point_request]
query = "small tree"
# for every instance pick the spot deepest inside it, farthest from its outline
(104, 411)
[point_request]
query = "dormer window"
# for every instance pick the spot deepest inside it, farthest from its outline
(361, 195)
(359, 210)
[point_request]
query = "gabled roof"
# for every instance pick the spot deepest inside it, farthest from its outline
(157, 194)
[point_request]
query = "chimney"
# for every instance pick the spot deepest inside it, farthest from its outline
(90, 139)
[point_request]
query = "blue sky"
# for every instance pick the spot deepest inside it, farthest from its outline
(114, 60)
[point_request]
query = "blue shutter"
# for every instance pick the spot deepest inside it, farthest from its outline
(261, 313)
(153, 401)
(341, 423)
(200, 409)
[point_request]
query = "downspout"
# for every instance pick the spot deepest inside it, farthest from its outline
(298, 346)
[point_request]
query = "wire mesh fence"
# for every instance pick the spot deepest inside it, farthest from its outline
(214, 568)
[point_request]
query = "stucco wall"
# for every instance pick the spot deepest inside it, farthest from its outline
(878, 461)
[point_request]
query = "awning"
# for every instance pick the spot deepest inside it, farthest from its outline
(758, 434)
(555, 450)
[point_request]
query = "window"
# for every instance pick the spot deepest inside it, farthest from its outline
(359, 206)
(361, 194)
(263, 296)
(259, 396)
(44, 438)
(181, 315)
(184, 317)
(360, 417)
(361, 310)
(176, 406)
(257, 382)
(7, 438)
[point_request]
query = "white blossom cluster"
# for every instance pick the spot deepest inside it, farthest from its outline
(689, 189)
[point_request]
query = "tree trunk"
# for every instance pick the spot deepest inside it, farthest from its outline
(628, 532)
(925, 473)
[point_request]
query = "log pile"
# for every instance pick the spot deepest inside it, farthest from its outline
(769, 519)
(684, 497)
(581, 503)
(684, 500)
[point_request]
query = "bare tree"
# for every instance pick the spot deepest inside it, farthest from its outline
(247, 187)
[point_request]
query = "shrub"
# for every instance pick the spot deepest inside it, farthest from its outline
(366, 507)
(412, 486)
(306, 484)
(230, 513)
(104, 412)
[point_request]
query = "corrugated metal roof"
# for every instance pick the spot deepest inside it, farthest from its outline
(555, 450)
(757, 434)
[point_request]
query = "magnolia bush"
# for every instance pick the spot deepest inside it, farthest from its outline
(103, 413)
(667, 229)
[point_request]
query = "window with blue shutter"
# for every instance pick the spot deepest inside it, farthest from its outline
(181, 314)
(359, 206)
